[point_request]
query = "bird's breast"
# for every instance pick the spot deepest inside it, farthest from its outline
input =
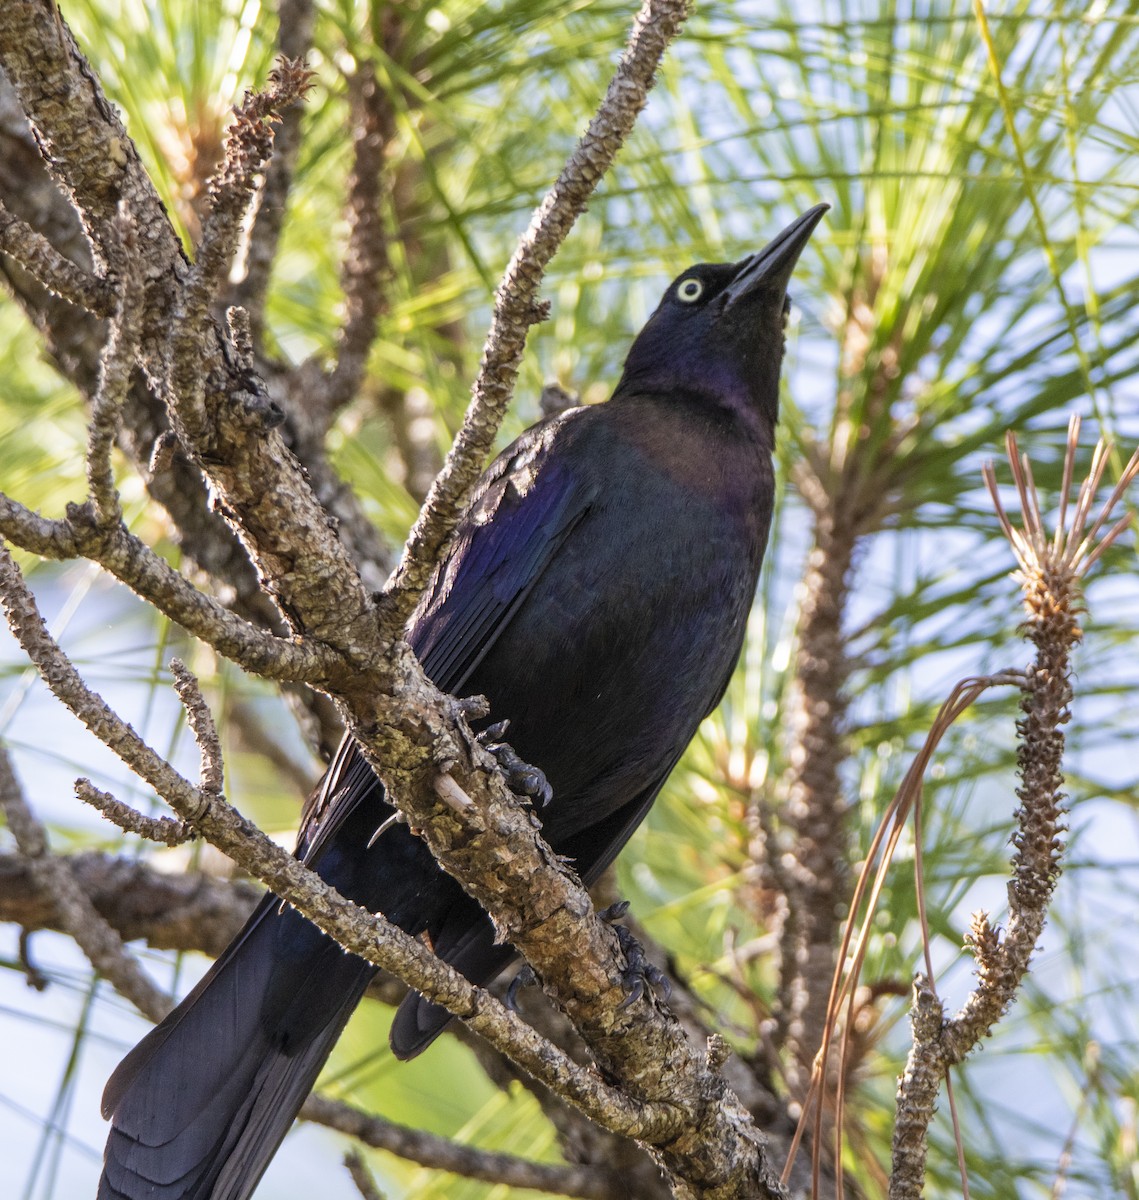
(627, 640)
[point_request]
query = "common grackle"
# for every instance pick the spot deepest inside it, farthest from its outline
(597, 592)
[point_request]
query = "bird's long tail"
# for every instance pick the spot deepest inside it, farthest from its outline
(200, 1106)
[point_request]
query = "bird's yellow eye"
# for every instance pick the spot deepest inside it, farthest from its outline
(689, 291)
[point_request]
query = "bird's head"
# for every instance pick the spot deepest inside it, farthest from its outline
(717, 335)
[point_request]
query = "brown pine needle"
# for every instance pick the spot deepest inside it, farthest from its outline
(1070, 552)
(846, 978)
(1106, 541)
(1125, 479)
(1066, 486)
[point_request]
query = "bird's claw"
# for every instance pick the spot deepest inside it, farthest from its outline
(524, 779)
(399, 817)
(524, 978)
(614, 912)
(638, 970)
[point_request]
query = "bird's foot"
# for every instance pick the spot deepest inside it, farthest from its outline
(639, 972)
(472, 708)
(524, 978)
(524, 779)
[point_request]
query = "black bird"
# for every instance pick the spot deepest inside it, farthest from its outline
(597, 592)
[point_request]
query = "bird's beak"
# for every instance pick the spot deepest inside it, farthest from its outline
(771, 267)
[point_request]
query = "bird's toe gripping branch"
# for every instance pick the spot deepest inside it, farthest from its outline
(523, 779)
(639, 972)
(523, 979)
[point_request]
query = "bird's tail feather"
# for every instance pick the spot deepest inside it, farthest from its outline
(201, 1104)
(467, 943)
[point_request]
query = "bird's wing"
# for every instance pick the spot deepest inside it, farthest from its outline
(526, 505)
(202, 1102)
(529, 502)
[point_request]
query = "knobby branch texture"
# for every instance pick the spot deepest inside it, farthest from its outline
(588, 1183)
(74, 339)
(813, 876)
(224, 420)
(168, 911)
(296, 20)
(76, 914)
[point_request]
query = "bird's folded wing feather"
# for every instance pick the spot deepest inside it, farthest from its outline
(528, 503)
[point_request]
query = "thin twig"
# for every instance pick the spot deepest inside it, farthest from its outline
(98, 941)
(361, 1176)
(116, 366)
(164, 830)
(248, 146)
(294, 40)
(443, 1154)
(202, 725)
(848, 962)
(150, 576)
(57, 273)
(366, 261)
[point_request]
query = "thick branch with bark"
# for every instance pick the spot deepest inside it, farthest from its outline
(168, 911)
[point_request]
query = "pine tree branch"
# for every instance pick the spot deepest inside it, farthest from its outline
(370, 936)
(1051, 570)
(416, 738)
(366, 261)
(77, 915)
(59, 274)
(295, 20)
(149, 576)
(169, 911)
(430, 1150)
